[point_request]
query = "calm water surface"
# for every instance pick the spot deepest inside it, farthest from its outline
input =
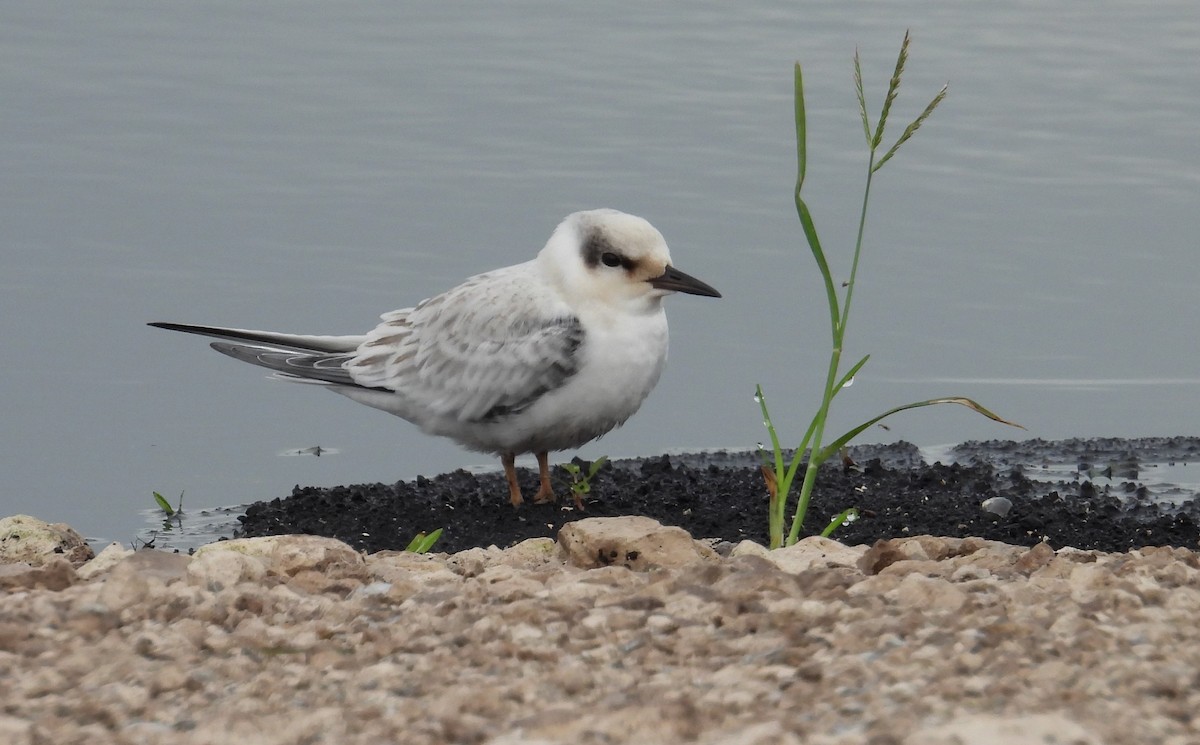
(304, 168)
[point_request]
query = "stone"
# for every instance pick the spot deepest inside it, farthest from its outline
(288, 555)
(989, 729)
(816, 551)
(27, 539)
(217, 570)
(110, 556)
(637, 543)
(55, 575)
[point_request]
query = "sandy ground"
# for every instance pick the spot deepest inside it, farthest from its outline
(305, 640)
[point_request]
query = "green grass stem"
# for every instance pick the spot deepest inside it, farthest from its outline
(780, 475)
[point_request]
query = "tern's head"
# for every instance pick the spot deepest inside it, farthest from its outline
(613, 258)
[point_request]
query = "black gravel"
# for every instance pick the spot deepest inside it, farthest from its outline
(722, 495)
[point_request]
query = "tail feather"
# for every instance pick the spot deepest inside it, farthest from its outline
(299, 342)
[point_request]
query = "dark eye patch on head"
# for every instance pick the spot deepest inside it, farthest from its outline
(597, 249)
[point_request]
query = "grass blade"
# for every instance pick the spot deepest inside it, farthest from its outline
(845, 516)
(837, 444)
(814, 244)
(850, 375)
(801, 130)
(427, 542)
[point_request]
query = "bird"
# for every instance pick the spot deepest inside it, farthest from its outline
(540, 356)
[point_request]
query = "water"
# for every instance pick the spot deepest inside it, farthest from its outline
(310, 166)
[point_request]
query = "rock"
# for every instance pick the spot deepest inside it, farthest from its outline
(1034, 559)
(55, 575)
(637, 543)
(927, 593)
(112, 554)
(140, 576)
(309, 564)
(999, 506)
(988, 729)
(881, 555)
(151, 564)
(532, 553)
(288, 555)
(217, 570)
(35, 542)
(14, 731)
(813, 551)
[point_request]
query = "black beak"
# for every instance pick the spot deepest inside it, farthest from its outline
(676, 281)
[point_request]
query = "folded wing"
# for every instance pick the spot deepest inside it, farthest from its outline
(482, 351)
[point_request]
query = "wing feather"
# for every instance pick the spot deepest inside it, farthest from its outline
(487, 349)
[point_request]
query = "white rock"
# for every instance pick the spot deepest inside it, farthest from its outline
(27, 539)
(987, 729)
(813, 551)
(290, 554)
(217, 570)
(637, 543)
(112, 555)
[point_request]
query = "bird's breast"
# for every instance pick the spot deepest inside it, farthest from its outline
(621, 363)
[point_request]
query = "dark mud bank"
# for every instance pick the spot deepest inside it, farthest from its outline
(1104, 494)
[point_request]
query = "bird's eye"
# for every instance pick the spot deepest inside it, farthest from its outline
(610, 259)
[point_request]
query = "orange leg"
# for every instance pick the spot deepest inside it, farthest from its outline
(508, 460)
(545, 492)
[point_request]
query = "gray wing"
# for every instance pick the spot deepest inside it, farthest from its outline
(316, 367)
(489, 348)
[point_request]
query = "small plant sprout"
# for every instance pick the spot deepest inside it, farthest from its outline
(581, 483)
(166, 507)
(421, 543)
(780, 475)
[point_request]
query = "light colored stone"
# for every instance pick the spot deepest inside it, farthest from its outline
(15, 731)
(813, 551)
(749, 548)
(110, 556)
(717, 652)
(220, 569)
(54, 575)
(929, 593)
(988, 729)
(637, 543)
(27, 539)
(149, 563)
(288, 555)
(533, 552)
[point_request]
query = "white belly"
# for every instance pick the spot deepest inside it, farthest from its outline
(619, 366)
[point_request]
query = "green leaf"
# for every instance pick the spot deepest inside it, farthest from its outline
(163, 504)
(814, 245)
(596, 465)
(421, 543)
(850, 375)
(839, 443)
(842, 517)
(801, 130)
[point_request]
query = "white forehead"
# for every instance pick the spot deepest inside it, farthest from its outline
(611, 230)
